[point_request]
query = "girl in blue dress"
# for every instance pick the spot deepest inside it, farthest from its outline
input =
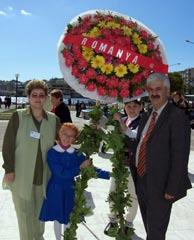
(65, 163)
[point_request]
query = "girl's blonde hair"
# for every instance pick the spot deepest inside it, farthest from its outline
(71, 126)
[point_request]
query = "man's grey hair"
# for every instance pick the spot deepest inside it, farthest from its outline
(158, 76)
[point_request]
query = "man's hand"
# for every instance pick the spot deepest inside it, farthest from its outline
(9, 177)
(168, 196)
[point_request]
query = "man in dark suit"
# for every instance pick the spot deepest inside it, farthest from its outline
(163, 146)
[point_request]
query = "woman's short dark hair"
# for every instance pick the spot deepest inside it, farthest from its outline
(36, 84)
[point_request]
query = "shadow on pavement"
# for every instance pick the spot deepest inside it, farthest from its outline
(135, 237)
(191, 177)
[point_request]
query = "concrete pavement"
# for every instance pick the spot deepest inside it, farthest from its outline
(181, 225)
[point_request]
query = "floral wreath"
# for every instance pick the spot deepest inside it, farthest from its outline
(107, 56)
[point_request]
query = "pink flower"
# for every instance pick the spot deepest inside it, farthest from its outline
(83, 79)
(144, 34)
(138, 92)
(113, 93)
(150, 46)
(101, 91)
(101, 78)
(124, 93)
(112, 82)
(137, 79)
(69, 61)
(75, 71)
(91, 87)
(91, 73)
(82, 63)
(124, 84)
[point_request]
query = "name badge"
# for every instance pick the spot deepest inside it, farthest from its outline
(34, 134)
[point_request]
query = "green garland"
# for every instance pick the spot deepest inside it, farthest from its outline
(90, 138)
(120, 198)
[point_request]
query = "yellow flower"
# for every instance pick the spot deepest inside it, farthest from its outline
(134, 68)
(120, 70)
(107, 68)
(127, 31)
(136, 39)
(113, 25)
(85, 34)
(102, 24)
(94, 32)
(142, 48)
(97, 61)
(87, 53)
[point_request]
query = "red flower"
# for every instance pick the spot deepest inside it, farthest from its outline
(82, 63)
(101, 79)
(144, 34)
(112, 82)
(138, 92)
(124, 84)
(69, 61)
(91, 73)
(101, 91)
(124, 93)
(83, 79)
(91, 87)
(75, 71)
(113, 93)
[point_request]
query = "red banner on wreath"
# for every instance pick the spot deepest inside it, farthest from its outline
(125, 54)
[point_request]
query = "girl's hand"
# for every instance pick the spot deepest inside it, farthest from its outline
(86, 163)
(117, 116)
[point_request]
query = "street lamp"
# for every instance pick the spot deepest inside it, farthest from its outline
(16, 90)
(188, 41)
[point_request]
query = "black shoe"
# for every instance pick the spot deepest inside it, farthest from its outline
(111, 229)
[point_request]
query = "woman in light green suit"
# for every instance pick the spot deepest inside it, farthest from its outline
(29, 134)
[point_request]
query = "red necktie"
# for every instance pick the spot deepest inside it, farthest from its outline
(141, 166)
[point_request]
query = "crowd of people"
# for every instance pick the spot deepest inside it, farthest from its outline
(40, 163)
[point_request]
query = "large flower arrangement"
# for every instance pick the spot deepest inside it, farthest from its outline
(107, 56)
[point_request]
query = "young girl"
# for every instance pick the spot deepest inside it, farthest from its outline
(65, 163)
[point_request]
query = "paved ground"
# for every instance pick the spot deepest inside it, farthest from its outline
(181, 225)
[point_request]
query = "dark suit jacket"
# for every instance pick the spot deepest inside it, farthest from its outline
(62, 111)
(167, 153)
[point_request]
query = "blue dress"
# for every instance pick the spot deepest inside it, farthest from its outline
(59, 201)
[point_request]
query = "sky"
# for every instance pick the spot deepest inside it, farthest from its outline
(30, 31)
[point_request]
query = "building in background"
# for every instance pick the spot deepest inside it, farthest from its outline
(188, 79)
(8, 87)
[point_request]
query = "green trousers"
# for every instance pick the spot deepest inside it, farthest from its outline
(27, 211)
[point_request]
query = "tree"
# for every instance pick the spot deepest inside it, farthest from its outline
(176, 82)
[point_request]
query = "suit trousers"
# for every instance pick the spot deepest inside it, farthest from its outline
(130, 211)
(27, 211)
(155, 210)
